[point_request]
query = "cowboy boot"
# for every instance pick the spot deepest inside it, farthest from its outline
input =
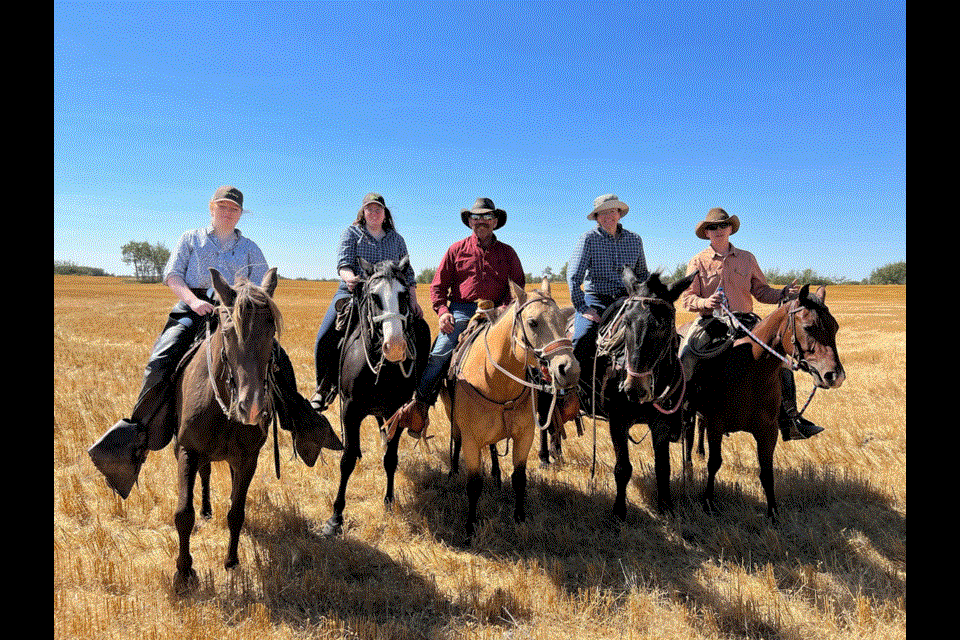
(413, 416)
(311, 430)
(793, 426)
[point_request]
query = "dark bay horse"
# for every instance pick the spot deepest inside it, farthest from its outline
(639, 379)
(225, 407)
(491, 398)
(385, 350)
(739, 390)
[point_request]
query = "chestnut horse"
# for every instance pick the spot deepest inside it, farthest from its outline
(225, 407)
(385, 350)
(491, 399)
(739, 390)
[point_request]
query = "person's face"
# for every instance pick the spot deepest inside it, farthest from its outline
(718, 233)
(225, 214)
(374, 215)
(609, 219)
(483, 224)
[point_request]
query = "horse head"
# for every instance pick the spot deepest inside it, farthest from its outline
(814, 341)
(248, 321)
(541, 326)
(389, 304)
(649, 331)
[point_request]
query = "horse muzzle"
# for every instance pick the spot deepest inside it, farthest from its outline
(638, 387)
(563, 371)
(830, 379)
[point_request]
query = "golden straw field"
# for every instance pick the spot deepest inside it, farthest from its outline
(834, 566)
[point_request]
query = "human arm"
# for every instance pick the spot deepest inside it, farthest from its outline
(180, 289)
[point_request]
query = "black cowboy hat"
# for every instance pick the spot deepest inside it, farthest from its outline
(484, 205)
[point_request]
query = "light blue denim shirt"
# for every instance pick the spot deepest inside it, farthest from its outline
(200, 249)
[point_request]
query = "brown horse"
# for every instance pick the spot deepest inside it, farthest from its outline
(491, 399)
(225, 407)
(739, 390)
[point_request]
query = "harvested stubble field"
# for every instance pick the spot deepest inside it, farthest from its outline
(833, 567)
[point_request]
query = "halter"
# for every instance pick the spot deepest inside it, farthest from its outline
(368, 322)
(231, 380)
(543, 356)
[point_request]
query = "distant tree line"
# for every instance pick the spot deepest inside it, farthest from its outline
(147, 260)
(67, 268)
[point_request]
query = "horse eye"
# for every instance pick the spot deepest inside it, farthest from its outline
(532, 323)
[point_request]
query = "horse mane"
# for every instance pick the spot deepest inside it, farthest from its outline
(251, 297)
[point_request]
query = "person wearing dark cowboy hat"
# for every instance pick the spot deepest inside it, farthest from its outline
(372, 237)
(121, 451)
(737, 270)
(479, 267)
(597, 264)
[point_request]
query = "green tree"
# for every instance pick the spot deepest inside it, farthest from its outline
(426, 276)
(147, 260)
(893, 273)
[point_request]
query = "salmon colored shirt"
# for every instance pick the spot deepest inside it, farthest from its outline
(741, 277)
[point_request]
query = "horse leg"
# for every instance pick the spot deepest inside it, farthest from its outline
(348, 462)
(544, 448)
(622, 470)
(185, 579)
(206, 510)
(241, 475)
(521, 451)
(390, 466)
(471, 458)
(495, 466)
(766, 443)
(660, 435)
(715, 440)
(455, 443)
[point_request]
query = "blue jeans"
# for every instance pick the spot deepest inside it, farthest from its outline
(442, 352)
(583, 325)
(324, 348)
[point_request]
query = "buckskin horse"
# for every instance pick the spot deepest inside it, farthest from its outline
(225, 406)
(491, 399)
(385, 349)
(639, 378)
(739, 390)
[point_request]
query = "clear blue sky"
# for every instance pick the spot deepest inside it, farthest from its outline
(791, 115)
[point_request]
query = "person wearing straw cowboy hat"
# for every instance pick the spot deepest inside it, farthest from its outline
(597, 264)
(479, 267)
(121, 451)
(731, 277)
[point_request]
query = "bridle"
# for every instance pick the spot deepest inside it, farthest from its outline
(369, 321)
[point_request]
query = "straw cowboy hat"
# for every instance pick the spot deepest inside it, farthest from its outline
(484, 205)
(715, 216)
(607, 201)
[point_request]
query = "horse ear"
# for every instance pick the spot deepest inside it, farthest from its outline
(681, 285)
(224, 291)
(404, 262)
(630, 280)
(545, 287)
(366, 266)
(518, 293)
(822, 293)
(270, 281)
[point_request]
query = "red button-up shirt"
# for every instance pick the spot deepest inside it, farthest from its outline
(468, 272)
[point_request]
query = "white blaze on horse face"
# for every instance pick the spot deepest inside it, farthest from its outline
(394, 343)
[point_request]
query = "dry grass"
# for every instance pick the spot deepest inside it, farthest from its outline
(834, 567)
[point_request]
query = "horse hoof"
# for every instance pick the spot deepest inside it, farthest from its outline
(333, 528)
(185, 582)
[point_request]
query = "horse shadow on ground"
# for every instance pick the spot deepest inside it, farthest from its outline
(838, 525)
(307, 580)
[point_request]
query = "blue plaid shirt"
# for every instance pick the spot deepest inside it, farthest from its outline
(356, 242)
(200, 249)
(598, 263)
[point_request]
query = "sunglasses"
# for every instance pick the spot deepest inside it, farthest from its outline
(719, 225)
(482, 216)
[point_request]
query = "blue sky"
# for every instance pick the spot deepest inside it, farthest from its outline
(791, 115)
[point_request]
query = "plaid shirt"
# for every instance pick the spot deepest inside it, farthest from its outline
(200, 249)
(356, 242)
(598, 263)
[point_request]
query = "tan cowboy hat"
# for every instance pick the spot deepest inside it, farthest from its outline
(607, 201)
(714, 216)
(484, 205)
